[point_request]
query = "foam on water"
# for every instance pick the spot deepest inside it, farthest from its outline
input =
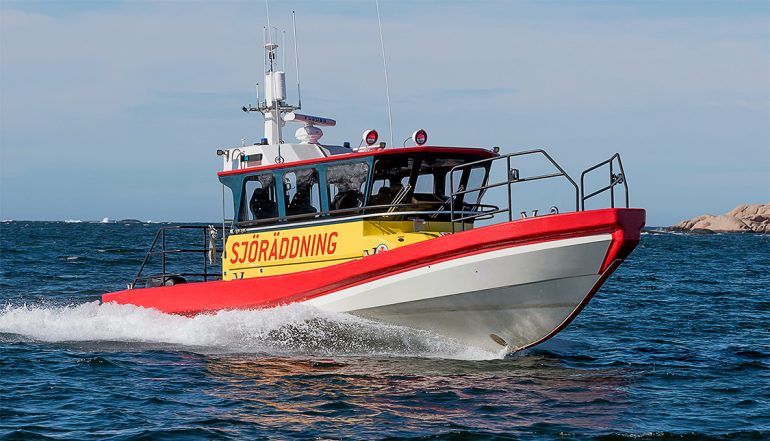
(287, 330)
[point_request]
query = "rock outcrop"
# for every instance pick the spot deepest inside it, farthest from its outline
(741, 219)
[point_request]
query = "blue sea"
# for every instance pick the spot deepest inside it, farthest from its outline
(676, 346)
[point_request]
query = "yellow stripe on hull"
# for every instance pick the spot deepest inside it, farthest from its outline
(269, 253)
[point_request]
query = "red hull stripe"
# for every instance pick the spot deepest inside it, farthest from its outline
(623, 224)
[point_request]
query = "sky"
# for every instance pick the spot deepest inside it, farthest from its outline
(116, 108)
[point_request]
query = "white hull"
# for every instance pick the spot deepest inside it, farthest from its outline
(520, 294)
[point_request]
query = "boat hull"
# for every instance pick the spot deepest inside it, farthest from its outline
(510, 285)
(510, 297)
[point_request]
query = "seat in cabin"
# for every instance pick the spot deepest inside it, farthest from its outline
(348, 199)
(395, 192)
(301, 204)
(261, 206)
(383, 197)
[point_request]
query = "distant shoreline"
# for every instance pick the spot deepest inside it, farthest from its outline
(746, 218)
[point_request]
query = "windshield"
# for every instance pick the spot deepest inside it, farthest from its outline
(423, 183)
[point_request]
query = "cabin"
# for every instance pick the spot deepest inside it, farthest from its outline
(393, 184)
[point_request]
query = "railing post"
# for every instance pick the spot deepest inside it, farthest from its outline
(452, 199)
(461, 187)
(625, 181)
(205, 254)
(163, 256)
(612, 185)
(508, 179)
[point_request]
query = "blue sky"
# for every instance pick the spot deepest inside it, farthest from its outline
(115, 109)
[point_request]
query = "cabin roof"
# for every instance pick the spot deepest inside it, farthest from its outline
(483, 153)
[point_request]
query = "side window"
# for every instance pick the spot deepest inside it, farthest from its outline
(424, 184)
(347, 185)
(302, 192)
(475, 180)
(391, 181)
(442, 183)
(378, 185)
(381, 193)
(259, 198)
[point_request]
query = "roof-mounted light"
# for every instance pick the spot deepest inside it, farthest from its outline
(370, 137)
(420, 137)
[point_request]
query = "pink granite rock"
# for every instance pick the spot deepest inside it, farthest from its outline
(741, 219)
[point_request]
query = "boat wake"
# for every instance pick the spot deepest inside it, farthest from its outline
(287, 330)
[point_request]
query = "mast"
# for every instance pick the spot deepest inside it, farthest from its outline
(275, 94)
(274, 106)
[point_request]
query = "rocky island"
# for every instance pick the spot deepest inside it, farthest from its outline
(741, 219)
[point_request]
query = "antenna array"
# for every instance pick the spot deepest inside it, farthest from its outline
(385, 67)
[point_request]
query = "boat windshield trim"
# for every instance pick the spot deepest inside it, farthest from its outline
(354, 155)
(487, 210)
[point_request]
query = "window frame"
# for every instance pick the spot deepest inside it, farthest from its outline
(367, 183)
(440, 177)
(244, 203)
(237, 185)
(283, 208)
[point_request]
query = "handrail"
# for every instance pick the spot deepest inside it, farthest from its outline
(146, 259)
(209, 245)
(512, 178)
(281, 220)
(365, 212)
(615, 179)
(324, 218)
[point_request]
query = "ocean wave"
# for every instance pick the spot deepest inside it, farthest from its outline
(286, 330)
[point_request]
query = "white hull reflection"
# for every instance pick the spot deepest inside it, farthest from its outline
(513, 297)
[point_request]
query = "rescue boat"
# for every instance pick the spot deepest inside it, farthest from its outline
(421, 236)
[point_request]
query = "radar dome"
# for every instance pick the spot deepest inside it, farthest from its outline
(308, 134)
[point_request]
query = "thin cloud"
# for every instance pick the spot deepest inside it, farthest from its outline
(674, 90)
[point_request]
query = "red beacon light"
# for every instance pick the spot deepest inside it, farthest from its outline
(420, 137)
(370, 137)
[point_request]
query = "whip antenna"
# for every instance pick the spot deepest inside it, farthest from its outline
(264, 53)
(296, 58)
(267, 11)
(385, 67)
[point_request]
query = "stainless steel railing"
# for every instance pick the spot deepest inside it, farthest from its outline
(513, 177)
(614, 179)
(160, 248)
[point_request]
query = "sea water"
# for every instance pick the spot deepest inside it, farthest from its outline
(676, 345)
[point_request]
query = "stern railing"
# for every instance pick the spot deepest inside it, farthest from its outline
(160, 247)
